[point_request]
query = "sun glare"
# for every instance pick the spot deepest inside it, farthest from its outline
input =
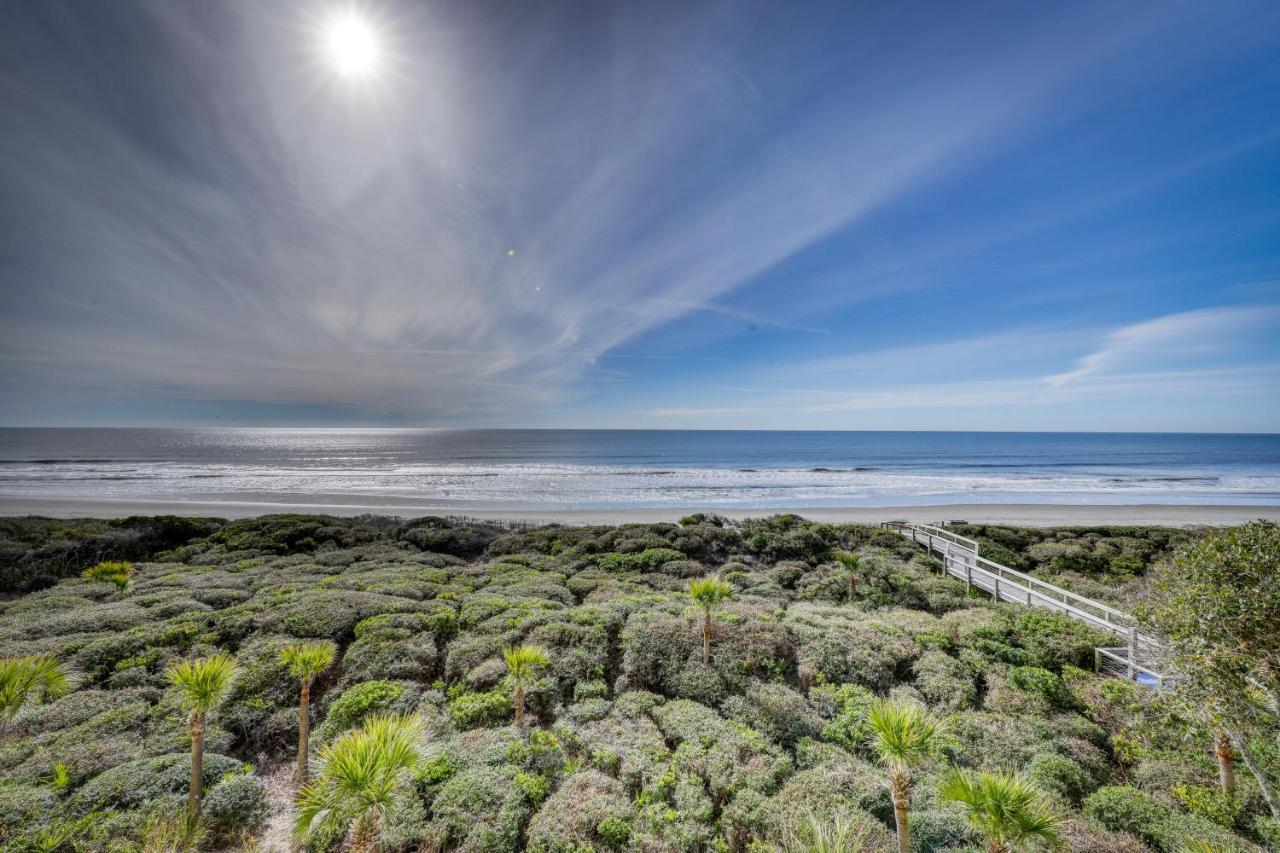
(352, 45)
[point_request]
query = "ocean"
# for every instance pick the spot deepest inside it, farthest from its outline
(624, 469)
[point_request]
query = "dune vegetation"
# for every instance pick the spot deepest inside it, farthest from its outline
(772, 684)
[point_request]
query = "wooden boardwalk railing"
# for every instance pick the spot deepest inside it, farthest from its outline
(1137, 660)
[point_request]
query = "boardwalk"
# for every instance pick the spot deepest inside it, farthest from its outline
(1137, 659)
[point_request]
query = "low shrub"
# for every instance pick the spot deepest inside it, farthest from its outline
(470, 710)
(136, 783)
(1038, 681)
(1129, 810)
(236, 806)
(356, 702)
(845, 707)
(776, 711)
(1059, 775)
(648, 560)
(945, 682)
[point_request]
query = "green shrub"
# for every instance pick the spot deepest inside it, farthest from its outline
(1124, 808)
(355, 703)
(776, 711)
(588, 812)
(789, 537)
(648, 560)
(1040, 638)
(24, 805)
(534, 787)
(594, 689)
(1058, 775)
(471, 710)
(1210, 804)
(1038, 681)
(137, 783)
(1267, 829)
(481, 809)
(944, 682)
(435, 770)
(588, 710)
(648, 748)
(845, 707)
(466, 542)
(614, 831)
(938, 829)
(1130, 810)
(236, 805)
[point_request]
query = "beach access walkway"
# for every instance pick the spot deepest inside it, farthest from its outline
(1138, 659)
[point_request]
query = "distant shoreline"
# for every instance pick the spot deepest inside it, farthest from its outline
(1024, 514)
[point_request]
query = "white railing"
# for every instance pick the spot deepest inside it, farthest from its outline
(960, 559)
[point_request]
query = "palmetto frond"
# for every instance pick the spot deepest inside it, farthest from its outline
(708, 592)
(848, 559)
(358, 775)
(1004, 807)
(904, 734)
(203, 682)
(111, 571)
(306, 660)
(815, 833)
(525, 662)
(37, 678)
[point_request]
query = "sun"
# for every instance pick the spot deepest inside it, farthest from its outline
(352, 45)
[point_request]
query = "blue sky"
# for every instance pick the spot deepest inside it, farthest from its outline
(704, 215)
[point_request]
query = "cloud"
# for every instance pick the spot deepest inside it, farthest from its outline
(1196, 336)
(704, 412)
(197, 211)
(1211, 353)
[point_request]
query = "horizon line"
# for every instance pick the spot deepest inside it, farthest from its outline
(631, 429)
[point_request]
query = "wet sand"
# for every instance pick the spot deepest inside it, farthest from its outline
(1015, 514)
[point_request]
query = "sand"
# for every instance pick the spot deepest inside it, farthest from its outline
(1016, 514)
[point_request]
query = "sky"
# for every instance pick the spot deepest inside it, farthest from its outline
(738, 214)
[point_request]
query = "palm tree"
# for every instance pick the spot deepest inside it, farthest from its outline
(849, 561)
(34, 678)
(905, 736)
(202, 684)
(358, 776)
(523, 663)
(707, 593)
(1004, 807)
(1226, 755)
(305, 662)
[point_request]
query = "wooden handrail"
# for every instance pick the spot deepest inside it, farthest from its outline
(1011, 584)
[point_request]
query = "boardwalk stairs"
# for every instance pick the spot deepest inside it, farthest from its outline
(1137, 657)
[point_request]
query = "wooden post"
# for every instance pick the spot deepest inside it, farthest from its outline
(1133, 651)
(968, 577)
(995, 589)
(1097, 660)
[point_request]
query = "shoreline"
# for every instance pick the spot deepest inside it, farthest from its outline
(1017, 514)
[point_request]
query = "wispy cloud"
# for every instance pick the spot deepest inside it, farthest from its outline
(1166, 358)
(1197, 336)
(199, 213)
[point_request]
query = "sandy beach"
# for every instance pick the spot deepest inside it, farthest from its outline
(1044, 515)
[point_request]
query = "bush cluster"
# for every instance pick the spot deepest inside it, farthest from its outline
(633, 741)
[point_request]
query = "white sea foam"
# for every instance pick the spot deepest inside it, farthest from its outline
(589, 486)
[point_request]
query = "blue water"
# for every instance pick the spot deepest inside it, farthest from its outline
(588, 469)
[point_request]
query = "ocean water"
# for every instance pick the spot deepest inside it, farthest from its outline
(599, 469)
